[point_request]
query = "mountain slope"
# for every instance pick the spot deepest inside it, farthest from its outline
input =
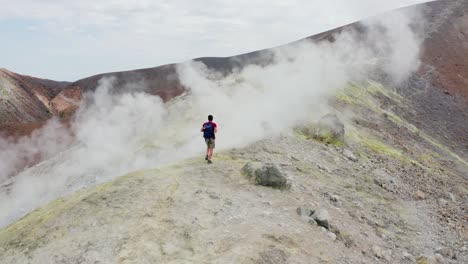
(394, 187)
(193, 213)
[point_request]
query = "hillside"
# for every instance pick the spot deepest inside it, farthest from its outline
(192, 213)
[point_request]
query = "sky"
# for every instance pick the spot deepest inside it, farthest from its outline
(69, 40)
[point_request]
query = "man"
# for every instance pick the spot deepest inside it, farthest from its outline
(209, 129)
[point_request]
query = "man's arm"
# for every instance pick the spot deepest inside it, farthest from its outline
(216, 129)
(202, 128)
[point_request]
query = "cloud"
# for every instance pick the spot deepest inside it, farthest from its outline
(84, 37)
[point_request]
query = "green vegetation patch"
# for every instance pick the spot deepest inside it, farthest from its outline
(4, 92)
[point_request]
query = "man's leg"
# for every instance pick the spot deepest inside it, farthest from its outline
(207, 149)
(210, 153)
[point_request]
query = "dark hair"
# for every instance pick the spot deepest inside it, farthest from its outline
(210, 118)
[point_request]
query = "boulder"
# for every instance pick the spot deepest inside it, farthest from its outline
(306, 211)
(269, 175)
(266, 175)
(322, 217)
(250, 168)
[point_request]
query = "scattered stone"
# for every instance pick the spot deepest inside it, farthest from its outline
(333, 228)
(452, 197)
(322, 217)
(213, 195)
(384, 180)
(332, 235)
(350, 155)
(377, 251)
(294, 158)
(447, 252)
(312, 222)
(334, 198)
(306, 210)
(420, 195)
(388, 255)
(422, 260)
(442, 202)
(408, 256)
(438, 259)
(323, 168)
(272, 255)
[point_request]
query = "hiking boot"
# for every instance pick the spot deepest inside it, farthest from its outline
(209, 162)
(206, 157)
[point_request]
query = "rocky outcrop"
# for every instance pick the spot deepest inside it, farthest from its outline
(66, 102)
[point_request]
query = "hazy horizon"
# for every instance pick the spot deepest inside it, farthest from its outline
(67, 41)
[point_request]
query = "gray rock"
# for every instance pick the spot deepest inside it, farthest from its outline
(266, 175)
(323, 168)
(447, 252)
(377, 251)
(322, 217)
(332, 235)
(384, 180)
(442, 202)
(350, 155)
(387, 255)
(306, 211)
(269, 175)
(272, 255)
(294, 158)
(438, 259)
(312, 222)
(250, 168)
(452, 197)
(408, 256)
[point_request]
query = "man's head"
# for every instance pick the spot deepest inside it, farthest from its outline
(210, 118)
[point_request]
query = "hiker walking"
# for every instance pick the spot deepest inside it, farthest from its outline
(209, 129)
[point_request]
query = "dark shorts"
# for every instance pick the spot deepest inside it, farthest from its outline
(210, 142)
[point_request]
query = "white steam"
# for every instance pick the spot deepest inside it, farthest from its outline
(113, 134)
